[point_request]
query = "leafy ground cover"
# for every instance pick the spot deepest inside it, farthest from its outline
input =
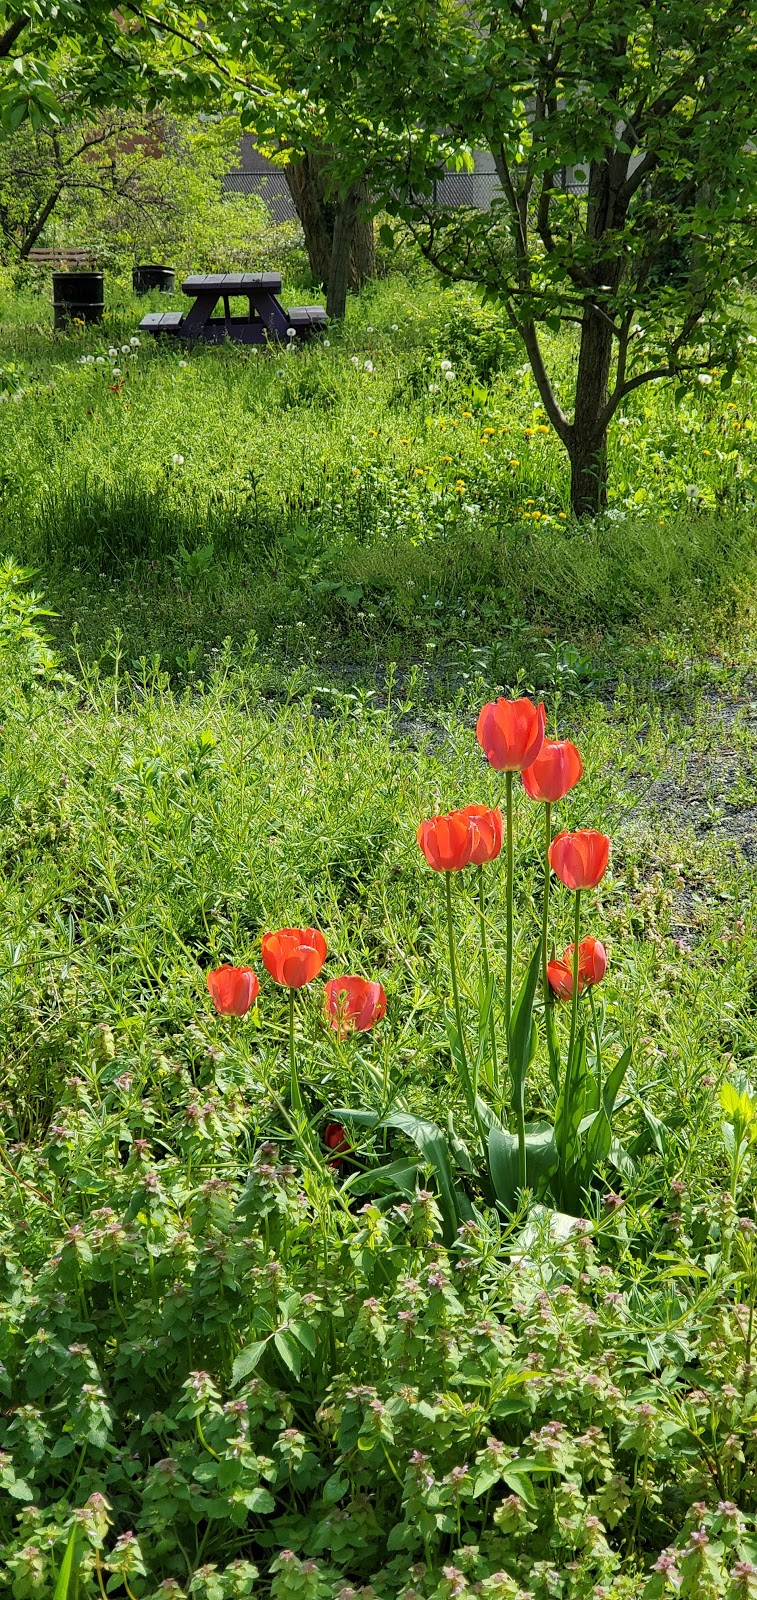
(230, 1361)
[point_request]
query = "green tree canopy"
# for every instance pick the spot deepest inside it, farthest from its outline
(649, 105)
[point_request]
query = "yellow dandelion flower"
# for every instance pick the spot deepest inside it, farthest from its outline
(562, 515)
(542, 428)
(447, 459)
(488, 433)
(514, 463)
(529, 502)
(706, 452)
(467, 413)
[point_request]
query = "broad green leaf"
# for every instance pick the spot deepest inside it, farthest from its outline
(432, 1144)
(598, 1128)
(69, 1567)
(570, 1108)
(289, 1350)
(519, 1483)
(402, 1175)
(361, 1119)
(247, 1360)
(521, 1026)
(305, 1335)
(541, 1160)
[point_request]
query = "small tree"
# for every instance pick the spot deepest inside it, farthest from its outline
(648, 105)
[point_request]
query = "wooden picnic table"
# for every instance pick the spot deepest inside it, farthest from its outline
(266, 318)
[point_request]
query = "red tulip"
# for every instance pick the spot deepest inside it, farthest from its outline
(556, 769)
(233, 990)
(580, 859)
(294, 956)
(486, 822)
(447, 842)
(592, 966)
(510, 733)
(354, 1003)
(335, 1138)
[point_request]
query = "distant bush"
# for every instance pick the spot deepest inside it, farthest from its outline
(475, 337)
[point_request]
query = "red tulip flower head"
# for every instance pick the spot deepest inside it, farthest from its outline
(447, 842)
(557, 769)
(294, 956)
(335, 1138)
(510, 733)
(486, 822)
(353, 1003)
(592, 966)
(580, 859)
(233, 990)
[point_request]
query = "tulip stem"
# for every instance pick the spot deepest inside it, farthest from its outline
(574, 998)
(597, 1045)
(485, 966)
(554, 1066)
(294, 1082)
(455, 990)
(509, 891)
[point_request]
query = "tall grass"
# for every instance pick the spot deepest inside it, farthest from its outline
(350, 488)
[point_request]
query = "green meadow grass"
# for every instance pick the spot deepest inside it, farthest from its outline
(352, 496)
(147, 837)
(283, 586)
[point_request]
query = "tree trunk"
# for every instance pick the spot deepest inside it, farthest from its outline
(339, 271)
(362, 252)
(587, 445)
(305, 181)
(331, 227)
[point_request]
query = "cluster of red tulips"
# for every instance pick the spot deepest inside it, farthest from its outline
(294, 957)
(512, 736)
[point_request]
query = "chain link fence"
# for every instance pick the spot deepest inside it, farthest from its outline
(476, 190)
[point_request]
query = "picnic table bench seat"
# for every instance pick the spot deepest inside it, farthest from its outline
(266, 319)
(161, 322)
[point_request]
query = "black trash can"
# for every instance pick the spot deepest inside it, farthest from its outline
(77, 296)
(149, 277)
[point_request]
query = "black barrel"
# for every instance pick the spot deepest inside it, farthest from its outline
(78, 296)
(149, 277)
